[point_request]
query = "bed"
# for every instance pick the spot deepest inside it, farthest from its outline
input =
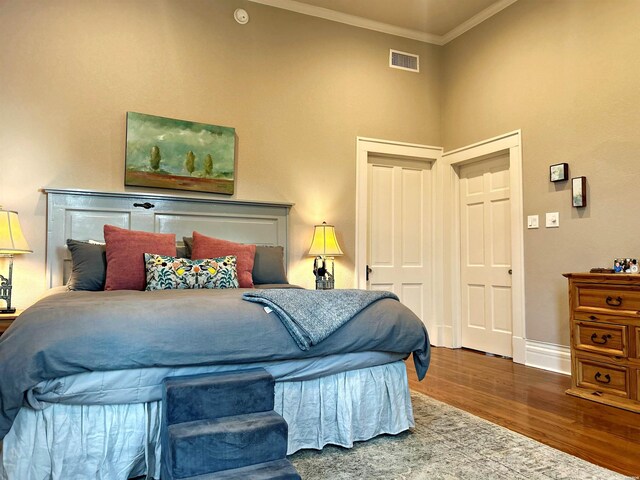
(81, 372)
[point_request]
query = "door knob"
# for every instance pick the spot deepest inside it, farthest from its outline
(367, 272)
(510, 272)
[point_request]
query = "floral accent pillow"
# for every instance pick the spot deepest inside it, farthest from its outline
(165, 273)
(208, 247)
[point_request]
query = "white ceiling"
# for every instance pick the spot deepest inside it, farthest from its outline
(432, 21)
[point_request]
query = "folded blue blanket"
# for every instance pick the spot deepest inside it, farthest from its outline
(310, 316)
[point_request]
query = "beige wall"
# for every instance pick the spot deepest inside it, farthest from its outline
(567, 73)
(297, 89)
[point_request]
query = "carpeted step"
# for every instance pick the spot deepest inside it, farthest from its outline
(276, 470)
(199, 397)
(207, 446)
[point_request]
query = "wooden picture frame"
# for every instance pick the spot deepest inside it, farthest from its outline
(559, 172)
(625, 265)
(579, 192)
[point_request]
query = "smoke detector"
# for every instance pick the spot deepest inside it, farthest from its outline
(241, 16)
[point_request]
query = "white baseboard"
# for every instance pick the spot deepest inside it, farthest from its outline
(519, 345)
(443, 336)
(548, 356)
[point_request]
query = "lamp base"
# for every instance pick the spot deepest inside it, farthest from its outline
(8, 310)
(324, 283)
(324, 277)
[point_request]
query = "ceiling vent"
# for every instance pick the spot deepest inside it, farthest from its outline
(404, 61)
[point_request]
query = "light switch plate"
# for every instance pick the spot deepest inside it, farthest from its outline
(553, 220)
(532, 221)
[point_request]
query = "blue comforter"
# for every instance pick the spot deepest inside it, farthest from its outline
(74, 332)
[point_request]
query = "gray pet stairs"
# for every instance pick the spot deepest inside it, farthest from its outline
(222, 426)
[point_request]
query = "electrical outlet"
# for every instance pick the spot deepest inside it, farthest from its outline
(553, 220)
(532, 221)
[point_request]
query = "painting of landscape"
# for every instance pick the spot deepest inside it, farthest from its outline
(168, 153)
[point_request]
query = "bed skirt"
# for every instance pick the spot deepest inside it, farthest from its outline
(117, 442)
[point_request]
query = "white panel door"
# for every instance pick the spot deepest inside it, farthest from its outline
(399, 251)
(485, 228)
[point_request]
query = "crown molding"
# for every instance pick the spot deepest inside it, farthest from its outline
(476, 20)
(352, 20)
(361, 22)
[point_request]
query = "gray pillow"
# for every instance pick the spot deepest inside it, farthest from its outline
(89, 265)
(188, 246)
(181, 251)
(268, 263)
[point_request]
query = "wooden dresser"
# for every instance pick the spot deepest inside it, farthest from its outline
(605, 338)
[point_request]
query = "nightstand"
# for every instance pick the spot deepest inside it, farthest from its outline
(6, 319)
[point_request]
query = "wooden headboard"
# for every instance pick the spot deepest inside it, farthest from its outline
(81, 215)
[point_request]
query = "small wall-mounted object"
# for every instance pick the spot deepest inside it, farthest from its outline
(532, 221)
(579, 192)
(404, 60)
(559, 172)
(552, 220)
(241, 16)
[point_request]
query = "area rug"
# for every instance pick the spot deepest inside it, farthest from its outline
(449, 444)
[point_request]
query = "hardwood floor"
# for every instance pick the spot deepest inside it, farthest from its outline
(532, 402)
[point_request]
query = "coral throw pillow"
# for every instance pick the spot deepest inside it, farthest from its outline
(209, 247)
(125, 255)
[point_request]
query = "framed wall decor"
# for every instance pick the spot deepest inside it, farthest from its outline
(579, 191)
(179, 154)
(559, 172)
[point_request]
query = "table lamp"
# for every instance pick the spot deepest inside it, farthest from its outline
(323, 245)
(12, 242)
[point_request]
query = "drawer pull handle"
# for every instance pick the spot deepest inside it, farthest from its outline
(593, 317)
(604, 337)
(614, 302)
(606, 380)
(145, 205)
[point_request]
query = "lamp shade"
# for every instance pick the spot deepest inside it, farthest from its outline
(12, 241)
(324, 241)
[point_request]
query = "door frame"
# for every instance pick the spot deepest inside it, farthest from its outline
(450, 183)
(372, 146)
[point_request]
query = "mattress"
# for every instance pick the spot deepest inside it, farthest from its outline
(145, 384)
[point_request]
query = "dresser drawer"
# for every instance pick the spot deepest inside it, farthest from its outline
(614, 298)
(608, 339)
(602, 377)
(636, 339)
